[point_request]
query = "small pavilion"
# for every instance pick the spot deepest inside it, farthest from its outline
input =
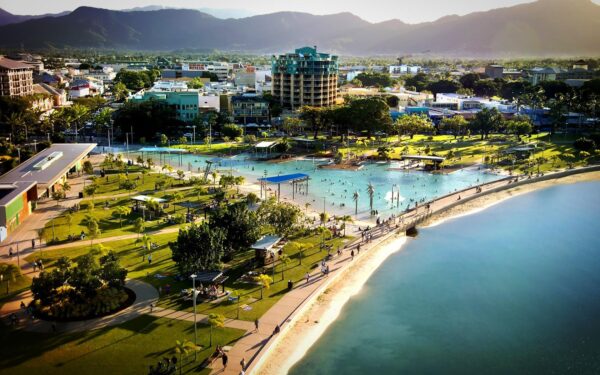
(436, 160)
(295, 179)
(265, 147)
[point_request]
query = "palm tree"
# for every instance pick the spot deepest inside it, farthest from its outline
(147, 243)
(69, 220)
(122, 211)
(355, 197)
(239, 180)
(176, 197)
(217, 321)
(371, 192)
(264, 281)
(166, 167)
(182, 348)
(345, 219)
(93, 229)
(284, 260)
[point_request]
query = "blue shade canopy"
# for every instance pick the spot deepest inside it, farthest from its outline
(284, 178)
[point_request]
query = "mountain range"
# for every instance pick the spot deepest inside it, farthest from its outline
(541, 28)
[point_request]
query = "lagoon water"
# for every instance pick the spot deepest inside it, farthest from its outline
(513, 289)
(338, 186)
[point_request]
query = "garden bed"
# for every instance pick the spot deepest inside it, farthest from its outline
(130, 299)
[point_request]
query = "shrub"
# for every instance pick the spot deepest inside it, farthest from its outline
(584, 144)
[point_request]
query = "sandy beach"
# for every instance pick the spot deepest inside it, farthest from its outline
(318, 313)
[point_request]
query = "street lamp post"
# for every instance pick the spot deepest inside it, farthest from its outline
(194, 294)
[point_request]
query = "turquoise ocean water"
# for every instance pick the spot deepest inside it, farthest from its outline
(514, 289)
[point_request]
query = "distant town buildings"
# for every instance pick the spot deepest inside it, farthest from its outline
(305, 77)
(16, 78)
(187, 103)
(250, 109)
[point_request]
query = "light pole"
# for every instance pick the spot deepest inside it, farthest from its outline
(194, 295)
(194, 135)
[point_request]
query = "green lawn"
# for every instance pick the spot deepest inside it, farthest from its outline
(128, 348)
(130, 253)
(109, 185)
(472, 150)
(110, 223)
(250, 293)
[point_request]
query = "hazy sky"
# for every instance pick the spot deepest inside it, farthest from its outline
(411, 11)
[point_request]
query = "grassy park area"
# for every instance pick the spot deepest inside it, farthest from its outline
(129, 348)
(551, 152)
(115, 215)
(162, 271)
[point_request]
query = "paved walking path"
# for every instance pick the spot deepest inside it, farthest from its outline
(144, 292)
(201, 318)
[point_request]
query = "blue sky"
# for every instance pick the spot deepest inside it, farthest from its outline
(411, 11)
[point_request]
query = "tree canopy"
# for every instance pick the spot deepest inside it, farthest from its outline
(198, 248)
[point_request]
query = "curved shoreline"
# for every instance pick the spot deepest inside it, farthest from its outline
(313, 319)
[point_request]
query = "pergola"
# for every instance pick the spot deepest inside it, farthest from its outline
(295, 179)
(265, 146)
(437, 160)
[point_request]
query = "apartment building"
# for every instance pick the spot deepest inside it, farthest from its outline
(305, 77)
(16, 78)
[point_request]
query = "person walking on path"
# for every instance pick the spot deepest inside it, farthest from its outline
(224, 358)
(256, 325)
(243, 364)
(307, 277)
(10, 253)
(33, 243)
(352, 255)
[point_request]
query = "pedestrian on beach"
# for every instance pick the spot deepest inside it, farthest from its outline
(352, 255)
(358, 249)
(224, 358)
(243, 364)
(256, 325)
(10, 253)
(33, 243)
(307, 277)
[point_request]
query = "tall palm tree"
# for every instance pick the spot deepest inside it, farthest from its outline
(346, 219)
(217, 321)
(284, 260)
(371, 192)
(355, 197)
(264, 281)
(182, 348)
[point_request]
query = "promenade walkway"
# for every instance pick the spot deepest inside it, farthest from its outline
(255, 344)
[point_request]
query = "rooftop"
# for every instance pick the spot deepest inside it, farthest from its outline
(12, 64)
(8, 192)
(53, 166)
